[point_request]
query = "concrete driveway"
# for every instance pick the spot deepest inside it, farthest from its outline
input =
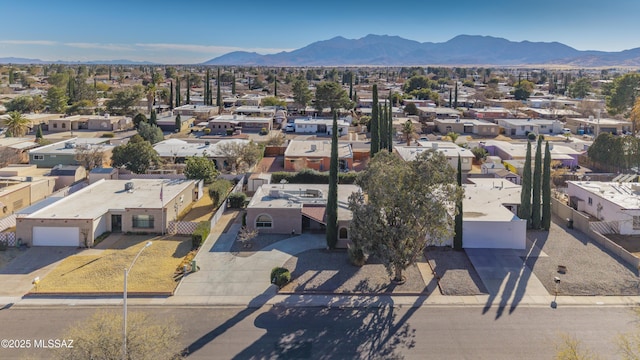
(17, 276)
(222, 275)
(507, 277)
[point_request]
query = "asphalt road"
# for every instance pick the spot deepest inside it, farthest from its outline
(367, 333)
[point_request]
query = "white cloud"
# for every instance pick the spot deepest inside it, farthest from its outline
(113, 47)
(29, 42)
(206, 49)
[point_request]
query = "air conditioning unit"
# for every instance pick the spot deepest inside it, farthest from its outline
(128, 186)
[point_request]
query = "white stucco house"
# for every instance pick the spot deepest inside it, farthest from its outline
(617, 204)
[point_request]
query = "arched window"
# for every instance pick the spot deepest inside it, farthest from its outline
(264, 221)
(343, 234)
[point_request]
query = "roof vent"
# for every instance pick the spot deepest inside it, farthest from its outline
(313, 147)
(128, 186)
(207, 143)
(69, 145)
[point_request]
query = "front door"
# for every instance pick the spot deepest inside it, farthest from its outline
(116, 223)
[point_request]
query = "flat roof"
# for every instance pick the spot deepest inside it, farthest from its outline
(484, 200)
(296, 195)
(449, 149)
(59, 147)
(104, 195)
(536, 122)
(519, 150)
(625, 195)
(239, 118)
(181, 148)
(305, 148)
(465, 121)
(602, 121)
(312, 121)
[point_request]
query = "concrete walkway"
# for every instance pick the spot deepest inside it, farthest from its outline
(225, 278)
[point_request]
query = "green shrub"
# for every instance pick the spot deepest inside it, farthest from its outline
(108, 135)
(263, 131)
(229, 132)
(207, 131)
(200, 234)
(218, 191)
(244, 219)
(356, 256)
(236, 200)
(280, 276)
(532, 136)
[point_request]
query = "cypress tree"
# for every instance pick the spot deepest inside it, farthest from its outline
(350, 86)
(383, 125)
(171, 95)
(524, 212)
(218, 92)
(109, 73)
(275, 86)
(178, 123)
(188, 89)
(546, 189)
(233, 85)
(39, 133)
(390, 125)
(375, 130)
(457, 239)
(11, 76)
(450, 99)
(332, 197)
(455, 100)
(153, 118)
(537, 177)
(178, 93)
(206, 88)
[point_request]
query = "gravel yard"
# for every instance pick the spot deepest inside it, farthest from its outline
(322, 271)
(457, 275)
(259, 242)
(591, 269)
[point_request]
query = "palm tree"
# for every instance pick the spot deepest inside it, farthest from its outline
(408, 130)
(17, 125)
(453, 136)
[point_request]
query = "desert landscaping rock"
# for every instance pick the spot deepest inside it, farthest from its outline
(322, 271)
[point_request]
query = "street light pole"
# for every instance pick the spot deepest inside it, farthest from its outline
(124, 295)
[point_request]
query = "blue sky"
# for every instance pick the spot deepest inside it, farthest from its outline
(185, 31)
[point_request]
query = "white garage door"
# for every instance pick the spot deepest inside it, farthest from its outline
(56, 236)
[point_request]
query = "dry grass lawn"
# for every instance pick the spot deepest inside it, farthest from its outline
(202, 210)
(102, 271)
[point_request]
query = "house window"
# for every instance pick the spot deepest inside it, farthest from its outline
(590, 201)
(64, 125)
(143, 221)
(264, 221)
(636, 223)
(38, 157)
(343, 233)
(55, 125)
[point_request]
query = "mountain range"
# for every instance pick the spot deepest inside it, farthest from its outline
(385, 50)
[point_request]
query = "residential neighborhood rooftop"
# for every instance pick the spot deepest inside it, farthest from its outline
(409, 153)
(103, 195)
(625, 195)
(299, 195)
(484, 200)
(181, 148)
(316, 148)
